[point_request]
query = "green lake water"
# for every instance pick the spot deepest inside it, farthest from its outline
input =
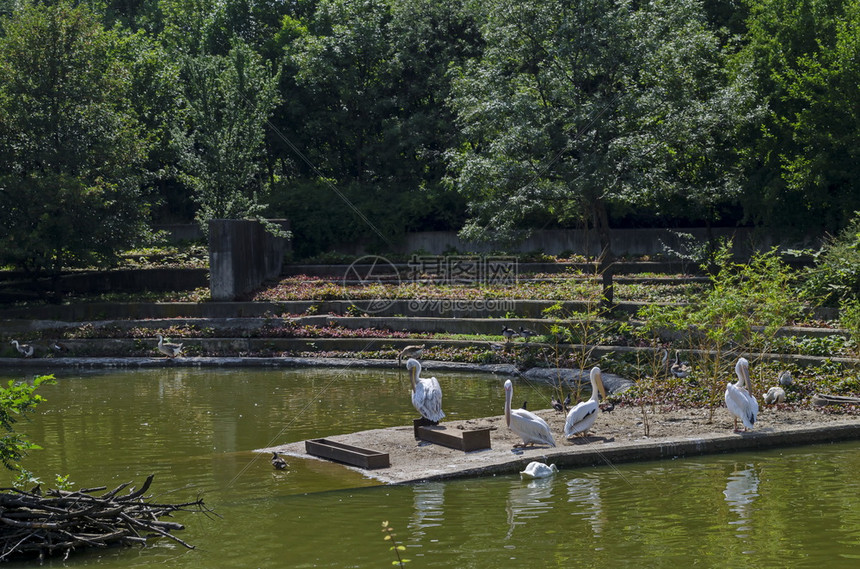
(195, 430)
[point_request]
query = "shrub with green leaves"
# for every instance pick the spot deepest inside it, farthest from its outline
(836, 273)
(17, 399)
(739, 314)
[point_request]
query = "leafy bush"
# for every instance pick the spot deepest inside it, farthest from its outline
(836, 273)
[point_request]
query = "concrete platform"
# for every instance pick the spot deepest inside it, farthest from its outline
(417, 461)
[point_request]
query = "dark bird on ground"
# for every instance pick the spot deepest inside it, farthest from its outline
(508, 333)
(566, 402)
(556, 404)
(680, 369)
(25, 350)
(278, 462)
(525, 405)
(526, 333)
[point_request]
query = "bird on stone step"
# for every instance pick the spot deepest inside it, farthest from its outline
(508, 333)
(25, 350)
(169, 350)
(526, 333)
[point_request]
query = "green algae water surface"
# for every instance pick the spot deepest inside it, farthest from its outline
(195, 430)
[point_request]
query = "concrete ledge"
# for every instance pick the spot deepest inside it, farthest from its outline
(443, 464)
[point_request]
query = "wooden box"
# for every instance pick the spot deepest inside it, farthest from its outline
(466, 441)
(347, 454)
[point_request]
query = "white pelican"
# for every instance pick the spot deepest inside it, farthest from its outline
(410, 352)
(526, 333)
(740, 403)
(25, 350)
(508, 333)
(426, 393)
(774, 395)
(538, 470)
(680, 369)
(531, 428)
(169, 350)
(583, 415)
(784, 378)
(278, 462)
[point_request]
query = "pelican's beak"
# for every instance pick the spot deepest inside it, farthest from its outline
(600, 386)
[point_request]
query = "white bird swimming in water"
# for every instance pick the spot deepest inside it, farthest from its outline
(25, 350)
(584, 414)
(775, 394)
(538, 470)
(426, 393)
(169, 350)
(531, 428)
(739, 401)
(410, 352)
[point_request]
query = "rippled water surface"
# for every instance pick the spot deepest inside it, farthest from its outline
(195, 429)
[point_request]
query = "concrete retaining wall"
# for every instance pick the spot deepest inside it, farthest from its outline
(242, 255)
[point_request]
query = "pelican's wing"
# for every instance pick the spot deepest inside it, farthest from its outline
(427, 398)
(530, 427)
(740, 404)
(580, 418)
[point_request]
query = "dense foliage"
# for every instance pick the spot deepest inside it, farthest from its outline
(360, 120)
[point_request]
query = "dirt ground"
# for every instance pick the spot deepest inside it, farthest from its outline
(621, 430)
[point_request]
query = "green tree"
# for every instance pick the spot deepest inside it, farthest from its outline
(805, 61)
(71, 149)
(575, 107)
(229, 99)
(365, 86)
(16, 400)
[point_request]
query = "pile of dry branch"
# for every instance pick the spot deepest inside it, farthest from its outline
(60, 521)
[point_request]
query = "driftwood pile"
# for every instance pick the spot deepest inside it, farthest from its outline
(61, 521)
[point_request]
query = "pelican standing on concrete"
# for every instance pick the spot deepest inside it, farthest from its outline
(531, 428)
(739, 401)
(583, 415)
(169, 350)
(25, 350)
(426, 393)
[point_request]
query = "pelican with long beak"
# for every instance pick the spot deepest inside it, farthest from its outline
(426, 393)
(410, 352)
(531, 428)
(584, 414)
(739, 399)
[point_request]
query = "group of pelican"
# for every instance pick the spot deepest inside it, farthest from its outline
(534, 430)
